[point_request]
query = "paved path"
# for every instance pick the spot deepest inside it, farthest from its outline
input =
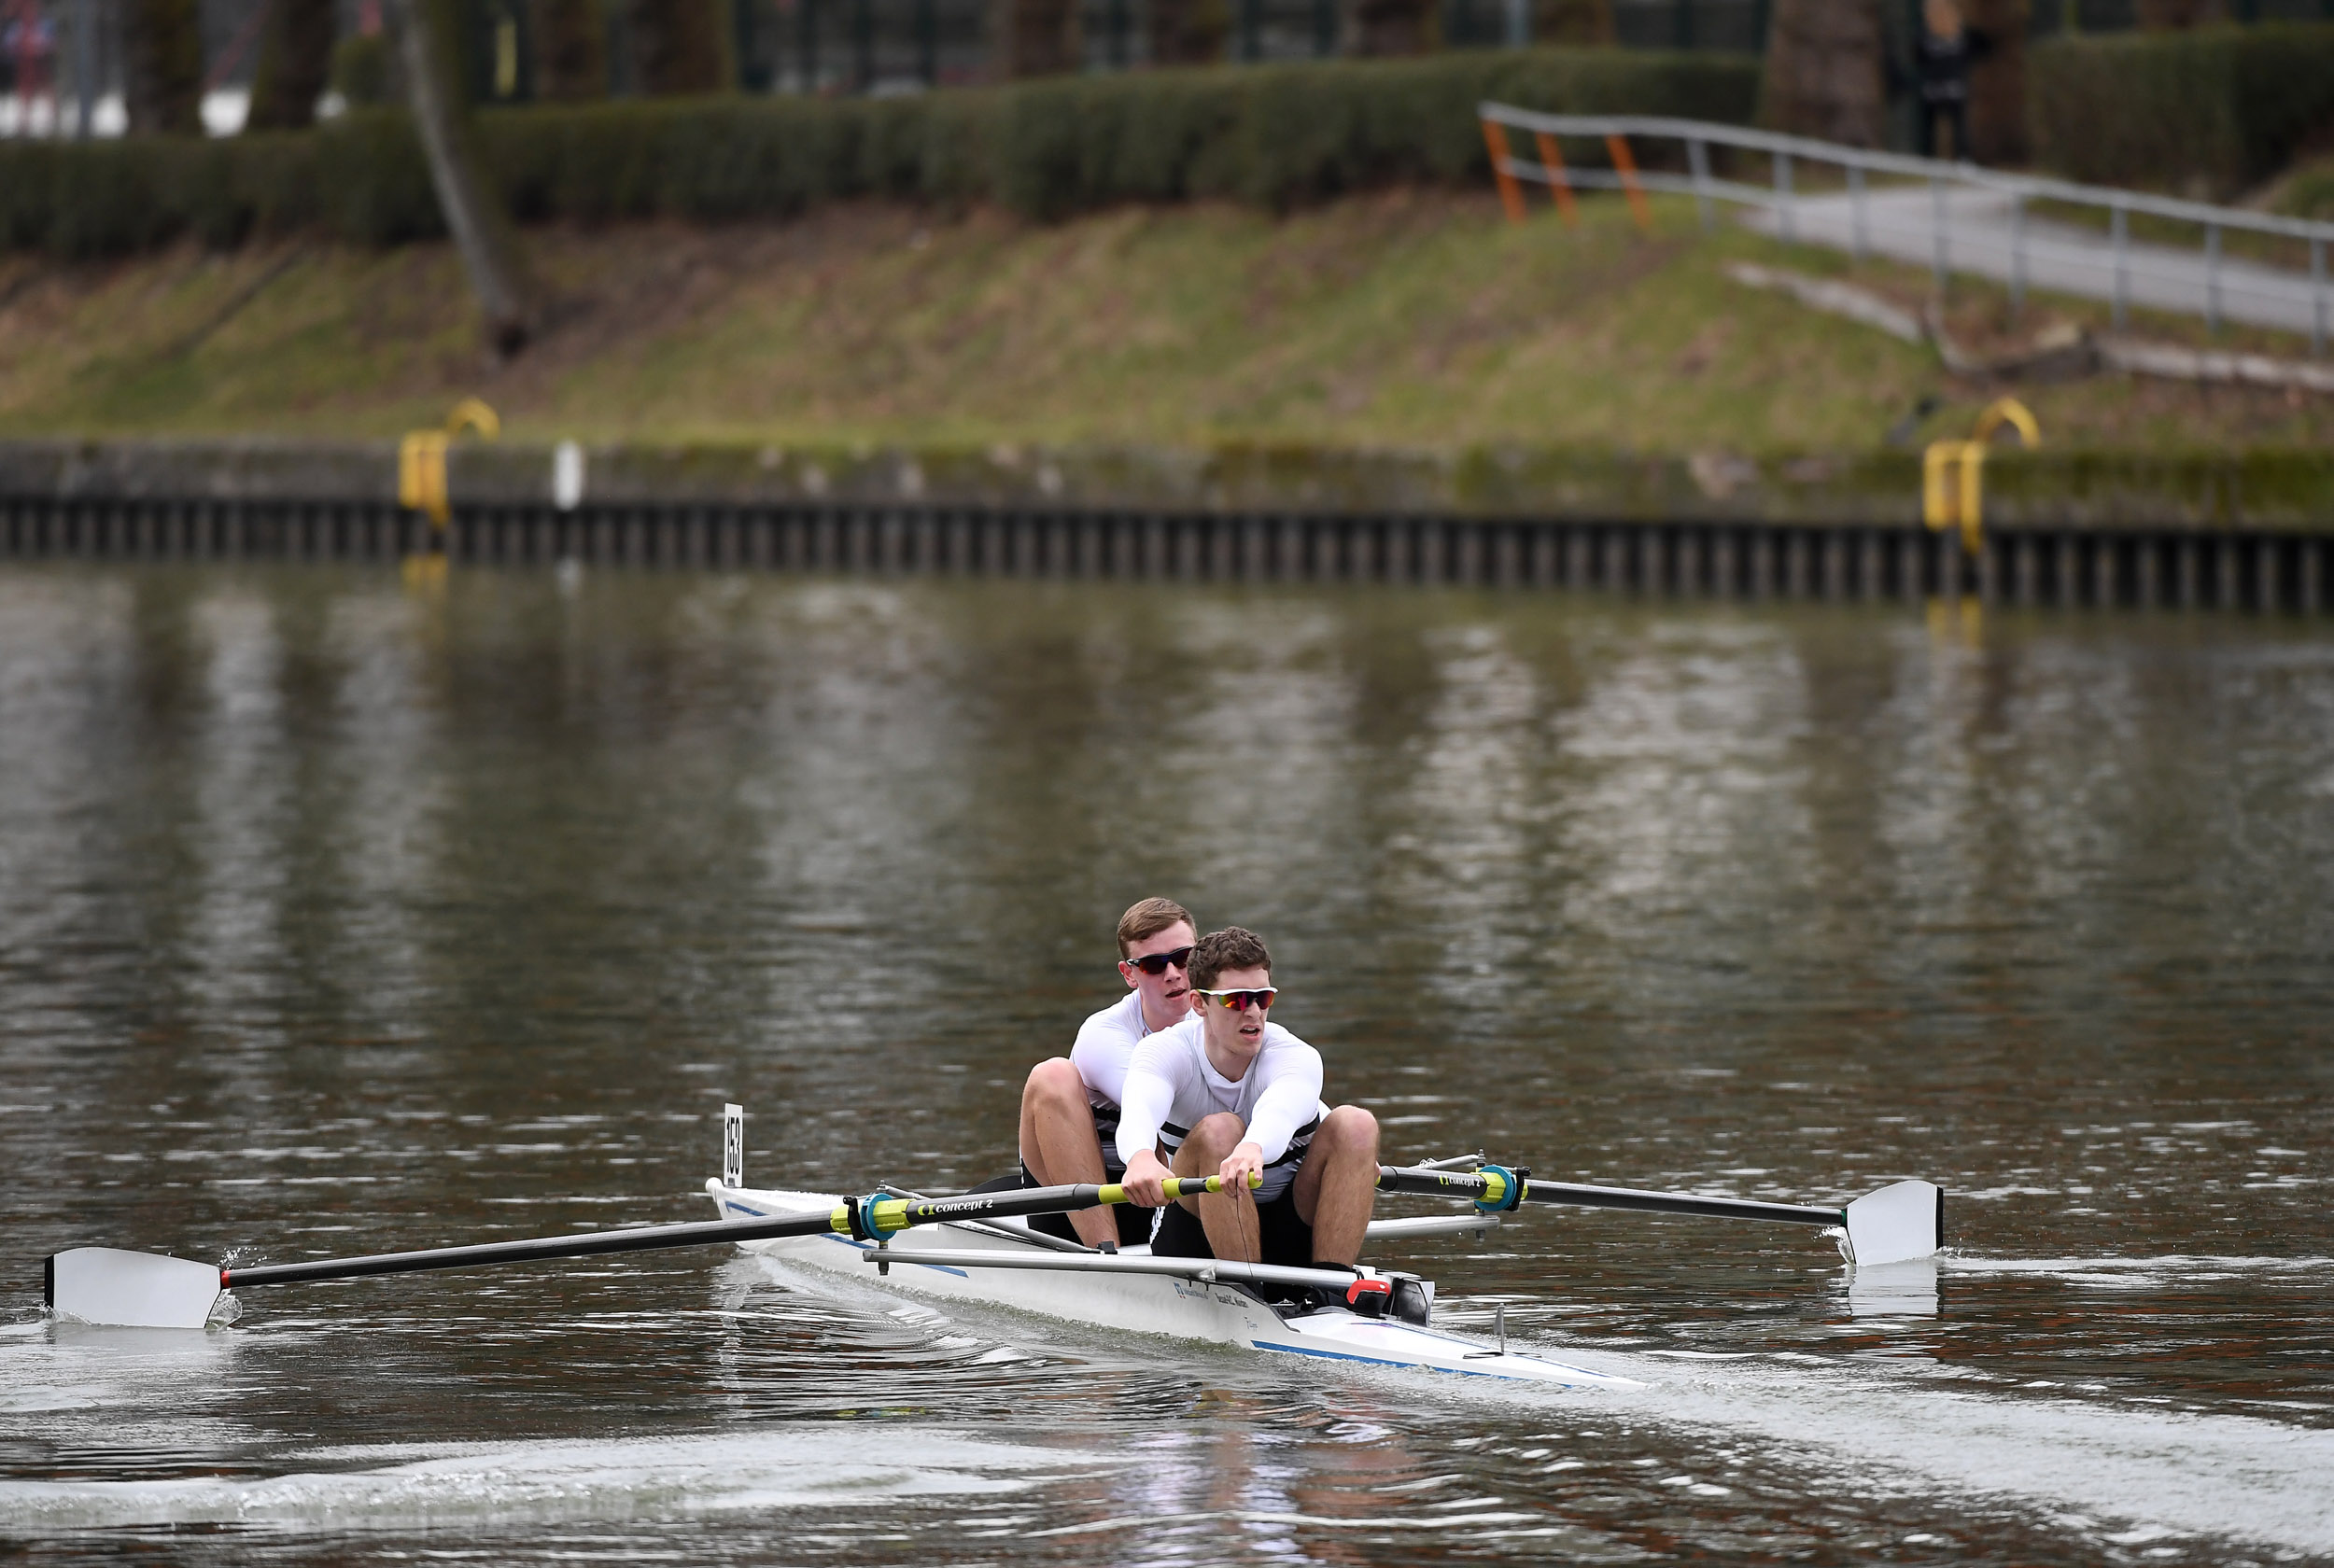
(1900, 223)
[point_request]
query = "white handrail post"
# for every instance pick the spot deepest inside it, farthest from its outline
(2119, 225)
(1856, 245)
(1782, 196)
(2317, 296)
(2017, 256)
(1698, 160)
(1938, 260)
(2212, 278)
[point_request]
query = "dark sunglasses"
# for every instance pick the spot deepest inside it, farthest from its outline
(1159, 964)
(1239, 1001)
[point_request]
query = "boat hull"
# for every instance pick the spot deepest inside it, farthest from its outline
(1182, 1308)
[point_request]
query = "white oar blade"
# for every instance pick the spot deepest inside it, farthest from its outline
(1896, 1225)
(132, 1289)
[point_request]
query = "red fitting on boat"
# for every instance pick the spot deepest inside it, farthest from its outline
(1368, 1297)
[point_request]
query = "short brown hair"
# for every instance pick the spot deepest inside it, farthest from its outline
(1148, 919)
(1233, 947)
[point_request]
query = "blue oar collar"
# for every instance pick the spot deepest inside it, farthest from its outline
(1504, 1189)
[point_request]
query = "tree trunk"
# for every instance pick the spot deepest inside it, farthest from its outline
(1823, 71)
(1392, 27)
(1572, 21)
(570, 50)
(295, 60)
(467, 197)
(164, 68)
(1035, 37)
(1189, 32)
(1996, 82)
(681, 46)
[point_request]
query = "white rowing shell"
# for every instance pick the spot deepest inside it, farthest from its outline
(1182, 1308)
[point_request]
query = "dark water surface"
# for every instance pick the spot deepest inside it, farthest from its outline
(335, 918)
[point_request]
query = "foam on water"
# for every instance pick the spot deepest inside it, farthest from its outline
(2171, 1269)
(2193, 1473)
(1899, 1428)
(481, 1484)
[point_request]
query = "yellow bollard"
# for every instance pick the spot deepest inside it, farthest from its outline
(421, 474)
(421, 470)
(1952, 472)
(473, 414)
(2010, 411)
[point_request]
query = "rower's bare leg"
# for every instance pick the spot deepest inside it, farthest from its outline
(1337, 1185)
(1058, 1142)
(1229, 1218)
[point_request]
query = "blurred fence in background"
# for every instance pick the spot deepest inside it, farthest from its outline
(1955, 217)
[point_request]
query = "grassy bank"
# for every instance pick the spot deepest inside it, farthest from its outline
(1403, 319)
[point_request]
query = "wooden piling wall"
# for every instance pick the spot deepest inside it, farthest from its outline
(2280, 572)
(2208, 539)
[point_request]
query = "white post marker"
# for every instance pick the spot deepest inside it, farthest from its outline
(567, 476)
(732, 1145)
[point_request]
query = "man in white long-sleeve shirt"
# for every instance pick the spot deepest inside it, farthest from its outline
(1227, 1092)
(1070, 1105)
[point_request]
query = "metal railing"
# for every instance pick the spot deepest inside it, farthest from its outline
(1973, 221)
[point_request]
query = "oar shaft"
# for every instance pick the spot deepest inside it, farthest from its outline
(880, 1216)
(703, 1233)
(1458, 1184)
(1678, 1203)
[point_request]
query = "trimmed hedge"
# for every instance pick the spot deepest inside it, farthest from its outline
(2212, 112)
(1273, 135)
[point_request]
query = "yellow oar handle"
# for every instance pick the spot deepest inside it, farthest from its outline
(879, 1216)
(1178, 1186)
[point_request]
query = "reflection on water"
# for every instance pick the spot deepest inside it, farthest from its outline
(340, 920)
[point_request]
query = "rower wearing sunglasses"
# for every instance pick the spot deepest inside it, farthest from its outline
(1070, 1105)
(1227, 1092)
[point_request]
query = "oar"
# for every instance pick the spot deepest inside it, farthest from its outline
(1895, 1225)
(146, 1290)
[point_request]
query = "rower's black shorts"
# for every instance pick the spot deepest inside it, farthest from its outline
(1287, 1240)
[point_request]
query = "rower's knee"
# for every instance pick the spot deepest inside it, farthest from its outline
(1350, 1127)
(1054, 1085)
(1215, 1136)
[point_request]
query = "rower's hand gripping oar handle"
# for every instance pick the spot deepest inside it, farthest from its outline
(876, 1216)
